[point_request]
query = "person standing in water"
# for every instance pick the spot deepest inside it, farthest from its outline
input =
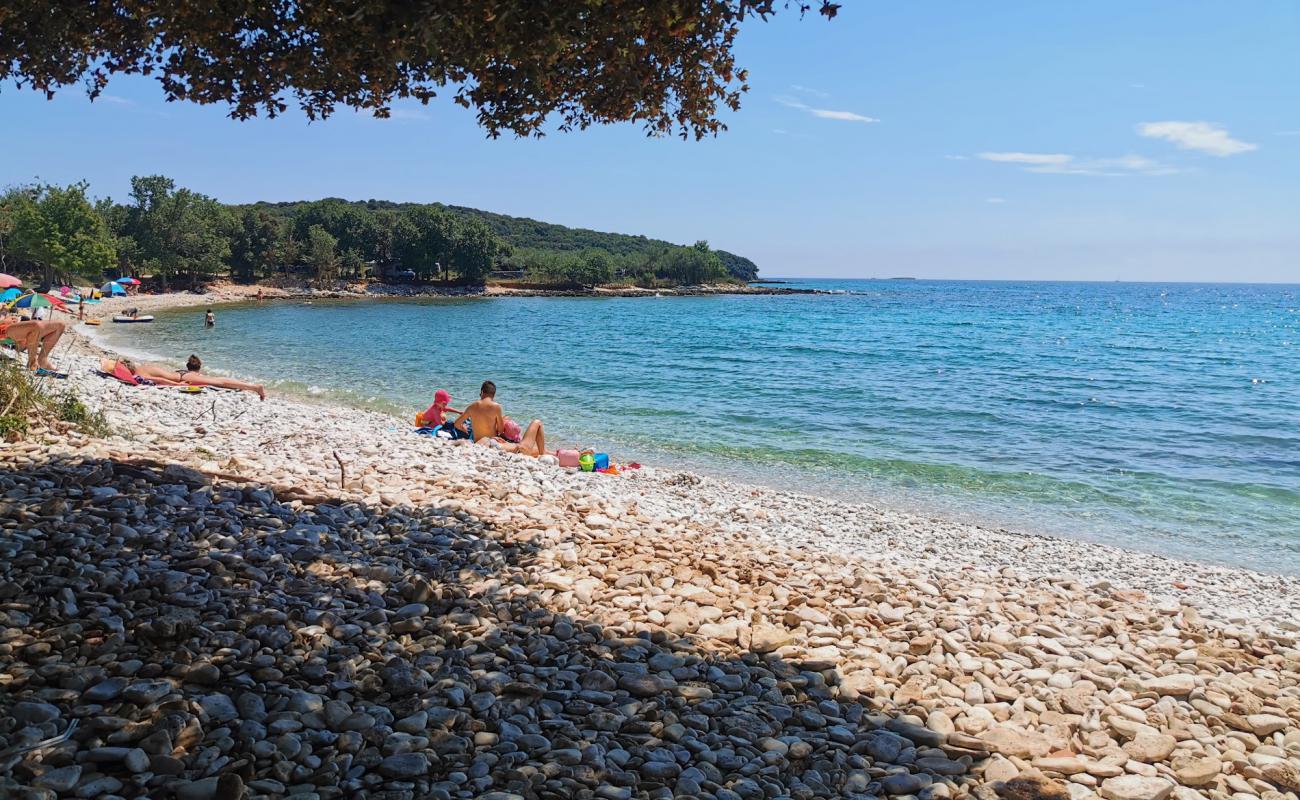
(209, 319)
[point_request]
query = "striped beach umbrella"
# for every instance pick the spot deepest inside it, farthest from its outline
(38, 300)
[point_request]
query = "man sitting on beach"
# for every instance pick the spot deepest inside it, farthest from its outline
(484, 414)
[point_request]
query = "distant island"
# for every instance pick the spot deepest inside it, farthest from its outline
(178, 238)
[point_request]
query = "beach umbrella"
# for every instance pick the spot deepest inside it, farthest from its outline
(112, 288)
(128, 281)
(38, 300)
(12, 293)
(8, 281)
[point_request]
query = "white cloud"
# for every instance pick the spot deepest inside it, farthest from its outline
(1066, 164)
(1203, 137)
(955, 158)
(1038, 159)
(809, 90)
(1286, 133)
(825, 113)
(407, 114)
(995, 200)
(846, 116)
(115, 100)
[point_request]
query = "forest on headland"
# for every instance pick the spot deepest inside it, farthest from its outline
(182, 238)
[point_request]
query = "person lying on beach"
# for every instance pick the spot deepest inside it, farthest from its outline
(482, 417)
(37, 337)
(190, 376)
(531, 442)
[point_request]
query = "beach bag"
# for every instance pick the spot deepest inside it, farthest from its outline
(568, 458)
(602, 461)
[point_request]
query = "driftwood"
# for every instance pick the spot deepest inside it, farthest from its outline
(343, 476)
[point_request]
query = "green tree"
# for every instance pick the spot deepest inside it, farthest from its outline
(691, 265)
(321, 253)
(58, 230)
(260, 244)
(423, 241)
(593, 268)
(666, 64)
(178, 232)
(474, 251)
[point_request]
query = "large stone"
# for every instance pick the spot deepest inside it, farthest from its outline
(1032, 787)
(1198, 771)
(35, 713)
(1284, 774)
(219, 707)
(1172, 685)
(1150, 747)
(1061, 765)
(768, 638)
(404, 766)
(1267, 724)
(1013, 742)
(1136, 787)
(59, 780)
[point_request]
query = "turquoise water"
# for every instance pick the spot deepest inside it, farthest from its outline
(1158, 417)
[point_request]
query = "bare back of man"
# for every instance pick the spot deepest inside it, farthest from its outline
(484, 413)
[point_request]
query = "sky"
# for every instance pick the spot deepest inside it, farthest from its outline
(1129, 140)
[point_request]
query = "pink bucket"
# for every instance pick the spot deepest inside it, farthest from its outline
(568, 458)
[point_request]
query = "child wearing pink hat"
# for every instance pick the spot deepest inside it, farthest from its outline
(434, 415)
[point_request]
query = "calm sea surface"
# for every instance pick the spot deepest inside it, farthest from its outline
(1158, 417)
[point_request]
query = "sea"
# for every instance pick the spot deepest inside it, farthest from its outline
(1159, 417)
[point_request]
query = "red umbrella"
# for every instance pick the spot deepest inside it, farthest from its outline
(6, 281)
(128, 281)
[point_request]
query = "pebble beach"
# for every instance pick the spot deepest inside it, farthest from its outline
(231, 598)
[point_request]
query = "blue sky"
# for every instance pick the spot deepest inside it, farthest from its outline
(1103, 141)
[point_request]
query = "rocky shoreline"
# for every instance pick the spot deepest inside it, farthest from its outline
(234, 598)
(231, 292)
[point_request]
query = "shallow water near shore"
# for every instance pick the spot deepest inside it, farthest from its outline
(1156, 417)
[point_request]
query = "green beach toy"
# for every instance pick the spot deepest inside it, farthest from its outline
(587, 462)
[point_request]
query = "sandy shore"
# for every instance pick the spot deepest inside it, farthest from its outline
(282, 599)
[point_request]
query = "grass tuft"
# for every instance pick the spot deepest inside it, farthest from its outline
(23, 405)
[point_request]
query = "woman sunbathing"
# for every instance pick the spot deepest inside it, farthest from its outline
(531, 442)
(190, 376)
(37, 337)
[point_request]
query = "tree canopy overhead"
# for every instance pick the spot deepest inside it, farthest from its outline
(666, 64)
